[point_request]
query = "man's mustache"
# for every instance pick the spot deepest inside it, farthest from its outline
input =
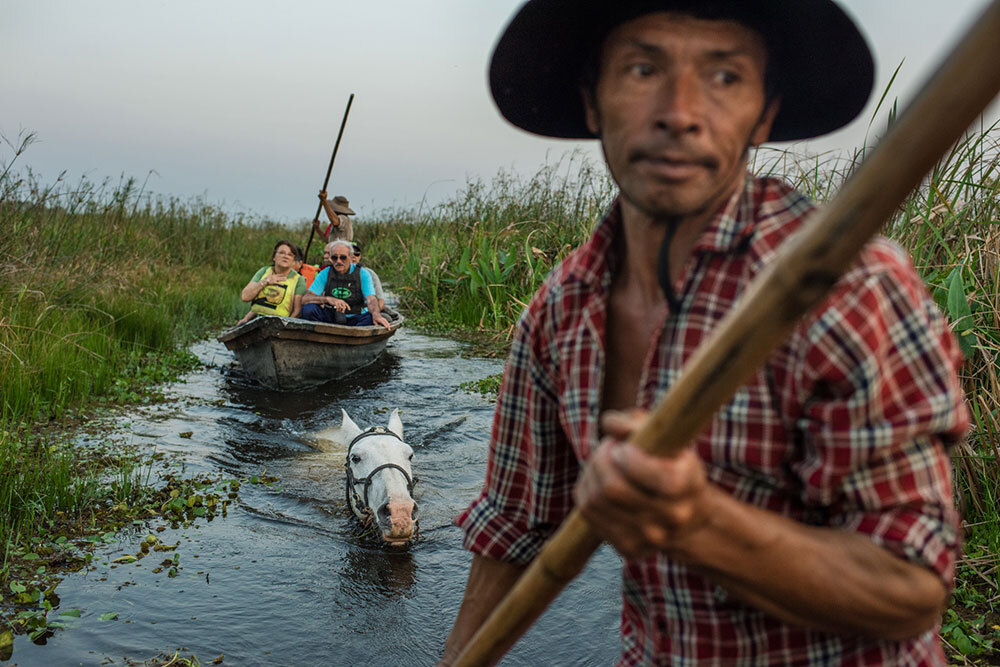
(672, 154)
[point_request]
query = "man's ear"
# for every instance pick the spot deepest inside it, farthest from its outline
(590, 111)
(763, 129)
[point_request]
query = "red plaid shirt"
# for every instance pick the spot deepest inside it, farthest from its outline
(844, 427)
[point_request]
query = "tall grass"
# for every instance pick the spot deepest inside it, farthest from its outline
(472, 263)
(98, 284)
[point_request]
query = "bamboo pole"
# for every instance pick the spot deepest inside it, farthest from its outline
(804, 270)
(329, 170)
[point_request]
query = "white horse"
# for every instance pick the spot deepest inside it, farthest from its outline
(379, 477)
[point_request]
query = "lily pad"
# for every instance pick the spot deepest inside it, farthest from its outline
(75, 613)
(109, 616)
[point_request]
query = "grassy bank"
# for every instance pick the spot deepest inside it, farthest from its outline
(100, 287)
(470, 266)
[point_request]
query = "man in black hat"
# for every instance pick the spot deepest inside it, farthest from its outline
(813, 522)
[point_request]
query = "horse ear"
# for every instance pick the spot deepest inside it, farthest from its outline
(348, 427)
(396, 424)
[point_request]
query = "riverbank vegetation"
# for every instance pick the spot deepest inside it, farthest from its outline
(469, 267)
(101, 288)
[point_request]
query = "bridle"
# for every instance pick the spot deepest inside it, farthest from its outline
(353, 481)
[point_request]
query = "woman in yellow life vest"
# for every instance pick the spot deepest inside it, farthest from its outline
(275, 289)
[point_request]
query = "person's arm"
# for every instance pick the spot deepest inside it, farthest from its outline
(823, 578)
(488, 583)
(252, 289)
(315, 292)
(331, 301)
(371, 301)
(330, 213)
(377, 282)
(256, 284)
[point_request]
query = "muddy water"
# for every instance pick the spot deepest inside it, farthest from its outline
(283, 580)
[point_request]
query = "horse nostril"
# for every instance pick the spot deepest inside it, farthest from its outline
(383, 512)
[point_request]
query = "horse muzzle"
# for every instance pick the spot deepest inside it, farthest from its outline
(397, 522)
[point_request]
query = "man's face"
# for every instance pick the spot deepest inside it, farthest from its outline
(340, 256)
(678, 101)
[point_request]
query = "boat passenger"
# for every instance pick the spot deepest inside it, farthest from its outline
(342, 294)
(376, 282)
(340, 226)
(307, 271)
(275, 289)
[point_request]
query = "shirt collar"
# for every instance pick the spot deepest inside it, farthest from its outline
(727, 232)
(734, 222)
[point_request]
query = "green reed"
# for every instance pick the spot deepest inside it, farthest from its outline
(99, 284)
(472, 263)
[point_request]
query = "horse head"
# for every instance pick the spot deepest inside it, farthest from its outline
(380, 479)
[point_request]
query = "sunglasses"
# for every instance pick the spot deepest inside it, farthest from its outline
(340, 257)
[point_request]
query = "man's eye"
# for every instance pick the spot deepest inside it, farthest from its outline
(640, 69)
(725, 77)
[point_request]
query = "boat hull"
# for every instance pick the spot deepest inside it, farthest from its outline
(293, 354)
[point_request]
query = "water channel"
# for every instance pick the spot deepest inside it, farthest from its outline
(283, 579)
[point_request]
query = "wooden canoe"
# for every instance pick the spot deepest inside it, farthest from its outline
(291, 354)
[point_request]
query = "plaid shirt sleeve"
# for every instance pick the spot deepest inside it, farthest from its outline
(532, 467)
(873, 390)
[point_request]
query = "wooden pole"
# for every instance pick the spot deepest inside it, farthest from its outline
(802, 273)
(329, 170)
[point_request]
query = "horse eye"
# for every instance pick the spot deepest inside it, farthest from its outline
(355, 458)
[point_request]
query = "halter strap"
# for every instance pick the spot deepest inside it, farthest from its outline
(352, 481)
(374, 430)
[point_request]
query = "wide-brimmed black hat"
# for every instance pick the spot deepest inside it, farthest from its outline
(824, 68)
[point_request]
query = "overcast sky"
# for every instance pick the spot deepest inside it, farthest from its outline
(240, 102)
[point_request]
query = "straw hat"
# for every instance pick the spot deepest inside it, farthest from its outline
(824, 77)
(339, 205)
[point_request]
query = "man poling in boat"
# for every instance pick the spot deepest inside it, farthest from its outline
(813, 522)
(276, 289)
(337, 210)
(343, 293)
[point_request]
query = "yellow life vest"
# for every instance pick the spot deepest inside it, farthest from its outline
(276, 299)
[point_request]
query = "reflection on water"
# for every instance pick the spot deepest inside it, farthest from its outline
(382, 573)
(286, 579)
